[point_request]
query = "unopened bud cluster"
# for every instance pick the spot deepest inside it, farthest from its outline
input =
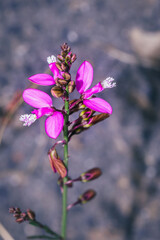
(63, 63)
(22, 216)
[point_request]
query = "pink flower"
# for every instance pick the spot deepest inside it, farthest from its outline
(43, 102)
(46, 79)
(84, 79)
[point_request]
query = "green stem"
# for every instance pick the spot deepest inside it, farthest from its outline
(64, 195)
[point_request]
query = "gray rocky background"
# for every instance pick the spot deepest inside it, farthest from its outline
(125, 146)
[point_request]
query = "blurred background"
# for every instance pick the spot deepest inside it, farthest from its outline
(122, 40)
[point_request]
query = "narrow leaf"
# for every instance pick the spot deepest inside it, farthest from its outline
(34, 223)
(41, 237)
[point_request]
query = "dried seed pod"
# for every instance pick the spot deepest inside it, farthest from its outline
(56, 163)
(57, 91)
(98, 118)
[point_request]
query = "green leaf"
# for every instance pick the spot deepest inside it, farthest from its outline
(45, 228)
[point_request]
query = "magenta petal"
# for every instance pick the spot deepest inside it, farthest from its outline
(84, 77)
(54, 124)
(98, 104)
(55, 70)
(42, 79)
(37, 98)
(96, 89)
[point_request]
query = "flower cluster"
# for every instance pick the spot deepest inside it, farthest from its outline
(42, 102)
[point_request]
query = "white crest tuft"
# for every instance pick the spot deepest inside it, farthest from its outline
(28, 119)
(108, 83)
(51, 59)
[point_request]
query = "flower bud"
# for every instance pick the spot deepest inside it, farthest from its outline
(57, 91)
(91, 174)
(81, 106)
(74, 105)
(87, 196)
(63, 54)
(11, 210)
(86, 113)
(17, 210)
(84, 198)
(16, 215)
(64, 47)
(68, 49)
(19, 220)
(64, 67)
(73, 58)
(71, 86)
(31, 214)
(61, 82)
(66, 76)
(56, 163)
(58, 65)
(23, 214)
(60, 58)
(68, 58)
